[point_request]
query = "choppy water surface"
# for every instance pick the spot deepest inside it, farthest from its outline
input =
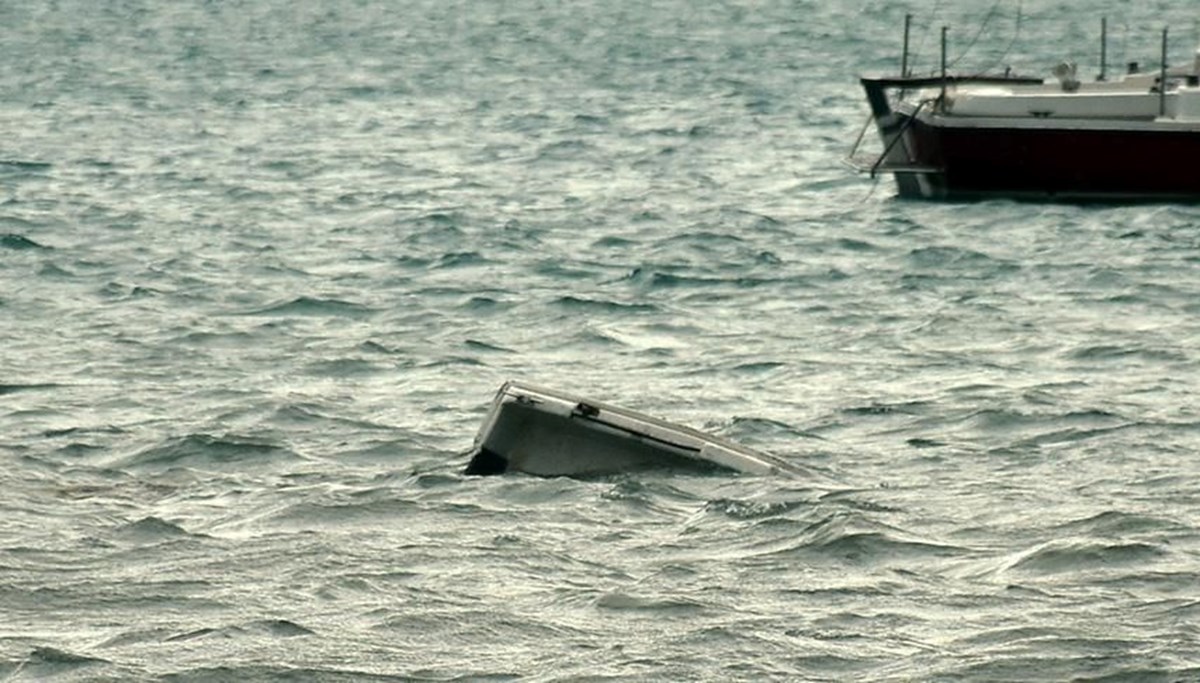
(262, 266)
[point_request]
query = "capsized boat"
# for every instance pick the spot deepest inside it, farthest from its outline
(550, 433)
(946, 136)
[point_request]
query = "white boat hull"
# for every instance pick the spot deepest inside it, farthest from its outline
(549, 433)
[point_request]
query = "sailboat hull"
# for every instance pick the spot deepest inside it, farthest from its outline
(551, 433)
(957, 159)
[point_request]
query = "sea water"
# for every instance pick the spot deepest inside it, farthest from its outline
(263, 265)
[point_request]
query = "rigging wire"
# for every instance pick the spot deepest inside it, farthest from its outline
(992, 14)
(914, 54)
(1017, 25)
(982, 27)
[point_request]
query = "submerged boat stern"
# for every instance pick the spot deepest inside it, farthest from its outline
(550, 433)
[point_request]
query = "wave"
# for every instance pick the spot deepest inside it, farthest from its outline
(1062, 425)
(51, 663)
(51, 655)
(334, 513)
(151, 530)
(939, 257)
(1085, 555)
(622, 601)
(290, 674)
(875, 546)
(386, 450)
(460, 259)
(652, 496)
(273, 628)
(20, 388)
(753, 509)
(1010, 635)
(233, 339)
(1118, 524)
(557, 270)
(765, 429)
(1113, 352)
(1099, 659)
(902, 408)
(845, 537)
(576, 303)
(592, 120)
(703, 242)
(451, 361)
(206, 450)
(759, 367)
(20, 243)
(54, 271)
(476, 345)
(17, 167)
(564, 150)
(851, 500)
(856, 245)
(660, 280)
(342, 368)
(318, 307)
(481, 304)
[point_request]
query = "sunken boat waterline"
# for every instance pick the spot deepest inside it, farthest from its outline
(551, 433)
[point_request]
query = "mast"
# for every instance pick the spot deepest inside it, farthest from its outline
(904, 54)
(1162, 77)
(1103, 49)
(942, 100)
